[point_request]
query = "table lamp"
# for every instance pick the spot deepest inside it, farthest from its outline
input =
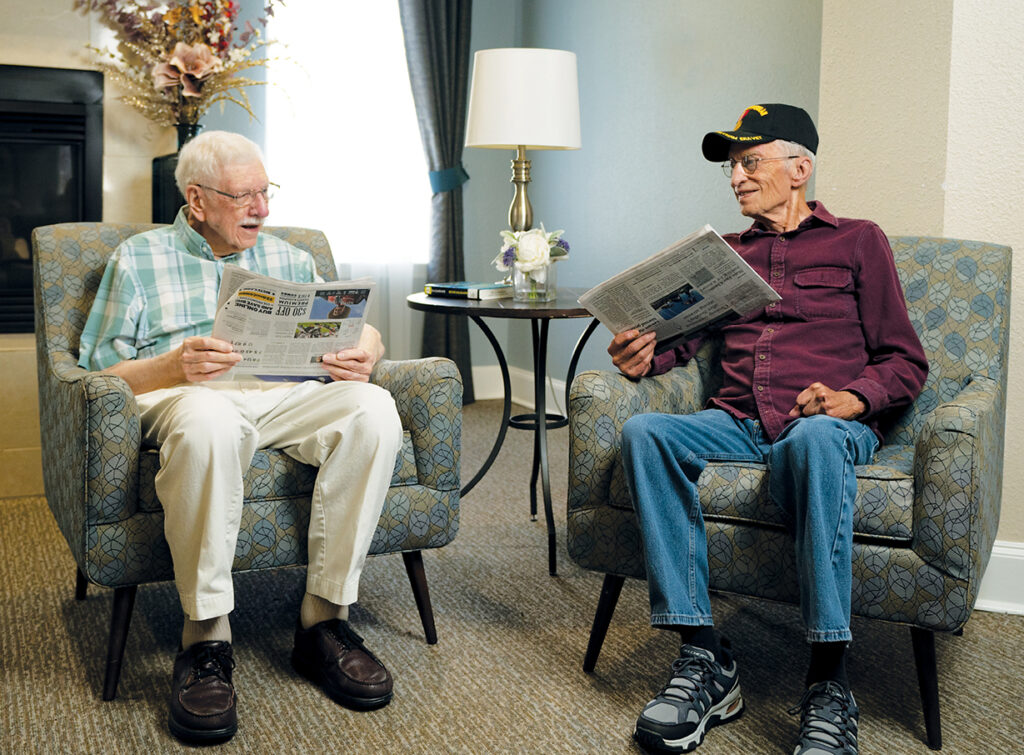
(523, 98)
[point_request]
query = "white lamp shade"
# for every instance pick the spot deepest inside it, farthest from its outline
(524, 96)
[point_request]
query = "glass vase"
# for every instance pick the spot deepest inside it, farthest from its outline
(534, 285)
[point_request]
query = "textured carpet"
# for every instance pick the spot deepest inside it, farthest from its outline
(505, 676)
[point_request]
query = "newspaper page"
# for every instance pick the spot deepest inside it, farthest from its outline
(695, 285)
(283, 329)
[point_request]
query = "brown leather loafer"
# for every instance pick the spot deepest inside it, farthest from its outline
(333, 657)
(202, 696)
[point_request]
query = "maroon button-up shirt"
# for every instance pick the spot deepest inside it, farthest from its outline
(842, 321)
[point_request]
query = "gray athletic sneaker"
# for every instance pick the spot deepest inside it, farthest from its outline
(828, 721)
(701, 693)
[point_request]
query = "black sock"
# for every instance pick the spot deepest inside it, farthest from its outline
(828, 663)
(701, 637)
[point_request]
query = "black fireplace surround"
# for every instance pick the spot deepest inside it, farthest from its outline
(51, 169)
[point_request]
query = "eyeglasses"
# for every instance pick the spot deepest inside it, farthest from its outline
(246, 198)
(749, 163)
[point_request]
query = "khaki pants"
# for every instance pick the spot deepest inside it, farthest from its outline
(207, 435)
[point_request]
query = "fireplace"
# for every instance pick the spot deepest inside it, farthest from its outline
(51, 169)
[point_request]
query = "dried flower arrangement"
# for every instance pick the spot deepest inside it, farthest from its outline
(176, 59)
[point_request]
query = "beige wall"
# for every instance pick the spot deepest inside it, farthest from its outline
(882, 107)
(917, 107)
(21, 471)
(48, 33)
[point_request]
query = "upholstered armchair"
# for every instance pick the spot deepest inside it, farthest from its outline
(927, 508)
(99, 482)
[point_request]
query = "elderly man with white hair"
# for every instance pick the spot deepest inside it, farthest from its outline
(150, 324)
(809, 384)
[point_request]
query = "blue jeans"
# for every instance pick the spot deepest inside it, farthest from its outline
(811, 478)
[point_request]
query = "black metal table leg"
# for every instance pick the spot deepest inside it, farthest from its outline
(536, 420)
(506, 410)
(540, 401)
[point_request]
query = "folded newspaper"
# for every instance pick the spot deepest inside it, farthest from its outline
(691, 287)
(283, 329)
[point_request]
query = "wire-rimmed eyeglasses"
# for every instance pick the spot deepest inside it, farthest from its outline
(749, 163)
(245, 198)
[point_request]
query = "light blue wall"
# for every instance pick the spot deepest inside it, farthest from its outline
(655, 76)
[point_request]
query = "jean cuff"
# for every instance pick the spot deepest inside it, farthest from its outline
(830, 635)
(669, 620)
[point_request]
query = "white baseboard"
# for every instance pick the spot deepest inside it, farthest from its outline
(1001, 588)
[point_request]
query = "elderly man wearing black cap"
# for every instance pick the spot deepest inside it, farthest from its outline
(807, 384)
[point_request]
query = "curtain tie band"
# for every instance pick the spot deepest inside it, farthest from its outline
(448, 179)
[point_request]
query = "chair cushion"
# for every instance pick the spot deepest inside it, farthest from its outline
(738, 492)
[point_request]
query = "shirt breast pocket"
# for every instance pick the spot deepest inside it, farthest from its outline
(825, 292)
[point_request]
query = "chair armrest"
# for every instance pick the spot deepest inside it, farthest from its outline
(90, 444)
(428, 396)
(600, 402)
(958, 480)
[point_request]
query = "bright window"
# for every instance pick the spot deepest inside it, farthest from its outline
(341, 134)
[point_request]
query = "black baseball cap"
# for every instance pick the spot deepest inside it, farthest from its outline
(760, 124)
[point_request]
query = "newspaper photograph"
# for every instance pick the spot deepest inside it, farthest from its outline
(693, 286)
(283, 329)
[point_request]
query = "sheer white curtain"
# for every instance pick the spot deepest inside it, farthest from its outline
(343, 142)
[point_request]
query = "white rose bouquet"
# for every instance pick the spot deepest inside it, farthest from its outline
(529, 251)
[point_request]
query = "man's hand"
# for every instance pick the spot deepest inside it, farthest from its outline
(202, 358)
(632, 353)
(818, 398)
(356, 363)
(196, 360)
(349, 364)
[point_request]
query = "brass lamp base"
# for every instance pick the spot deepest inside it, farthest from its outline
(520, 213)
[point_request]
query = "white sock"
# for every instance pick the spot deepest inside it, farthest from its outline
(316, 609)
(217, 629)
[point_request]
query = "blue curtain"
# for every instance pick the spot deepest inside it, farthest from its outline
(437, 51)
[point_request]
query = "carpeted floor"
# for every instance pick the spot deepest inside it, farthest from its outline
(505, 676)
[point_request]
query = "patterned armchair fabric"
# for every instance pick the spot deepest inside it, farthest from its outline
(99, 482)
(927, 508)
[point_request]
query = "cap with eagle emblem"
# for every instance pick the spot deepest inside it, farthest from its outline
(763, 123)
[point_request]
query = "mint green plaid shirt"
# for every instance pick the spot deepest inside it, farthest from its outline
(160, 287)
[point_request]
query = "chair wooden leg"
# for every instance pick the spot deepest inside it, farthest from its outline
(120, 619)
(81, 585)
(928, 681)
(418, 580)
(602, 618)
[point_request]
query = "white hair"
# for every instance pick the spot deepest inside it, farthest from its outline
(202, 159)
(792, 148)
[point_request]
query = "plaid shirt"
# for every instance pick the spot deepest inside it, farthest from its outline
(160, 287)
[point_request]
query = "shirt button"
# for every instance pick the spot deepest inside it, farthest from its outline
(760, 387)
(771, 306)
(777, 274)
(769, 330)
(761, 356)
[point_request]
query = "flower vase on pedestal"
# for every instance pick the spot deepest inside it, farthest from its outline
(534, 285)
(167, 200)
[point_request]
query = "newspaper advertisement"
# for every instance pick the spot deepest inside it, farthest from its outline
(693, 286)
(283, 329)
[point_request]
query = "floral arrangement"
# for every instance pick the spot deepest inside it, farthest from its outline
(529, 251)
(177, 59)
